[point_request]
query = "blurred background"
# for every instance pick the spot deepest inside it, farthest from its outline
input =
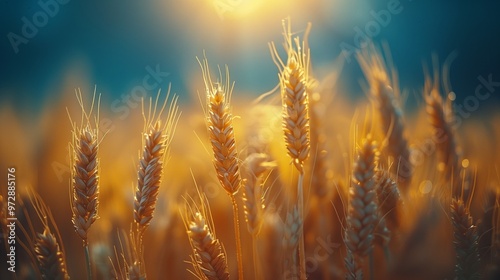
(127, 50)
(50, 44)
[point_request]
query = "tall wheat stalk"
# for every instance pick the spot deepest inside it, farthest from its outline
(156, 145)
(221, 134)
(294, 82)
(255, 166)
(85, 175)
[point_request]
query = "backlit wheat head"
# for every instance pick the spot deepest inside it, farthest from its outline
(294, 82)
(221, 131)
(157, 138)
(85, 173)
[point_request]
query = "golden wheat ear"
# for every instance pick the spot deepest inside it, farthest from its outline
(85, 173)
(294, 83)
(209, 257)
(362, 217)
(219, 121)
(441, 119)
(385, 96)
(49, 254)
(158, 133)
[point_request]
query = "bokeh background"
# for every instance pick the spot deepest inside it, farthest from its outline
(118, 46)
(110, 44)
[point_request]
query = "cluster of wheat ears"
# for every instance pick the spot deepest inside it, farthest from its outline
(377, 221)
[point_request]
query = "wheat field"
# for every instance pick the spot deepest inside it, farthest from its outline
(299, 183)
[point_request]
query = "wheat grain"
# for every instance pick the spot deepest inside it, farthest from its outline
(362, 215)
(465, 241)
(386, 98)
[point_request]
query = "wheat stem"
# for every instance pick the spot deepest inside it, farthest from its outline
(300, 204)
(87, 262)
(239, 254)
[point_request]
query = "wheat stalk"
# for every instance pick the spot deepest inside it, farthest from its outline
(465, 241)
(386, 98)
(85, 175)
(221, 134)
(362, 213)
(294, 83)
(156, 145)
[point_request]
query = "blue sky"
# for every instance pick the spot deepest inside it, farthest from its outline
(112, 43)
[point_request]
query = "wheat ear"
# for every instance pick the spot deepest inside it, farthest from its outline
(49, 255)
(294, 83)
(85, 175)
(221, 135)
(156, 144)
(291, 239)
(255, 166)
(209, 256)
(362, 213)
(440, 116)
(386, 99)
(465, 241)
